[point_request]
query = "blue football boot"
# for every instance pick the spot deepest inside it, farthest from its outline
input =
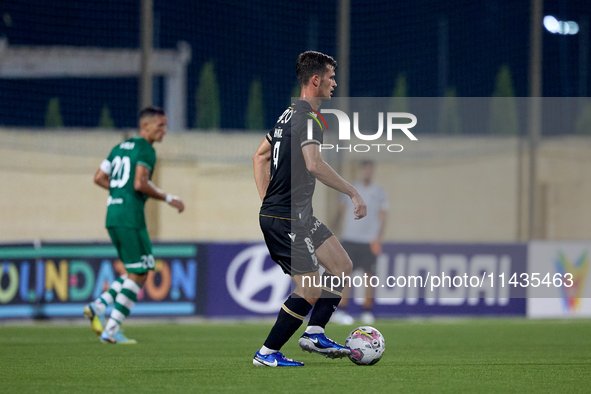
(321, 344)
(118, 338)
(276, 359)
(97, 320)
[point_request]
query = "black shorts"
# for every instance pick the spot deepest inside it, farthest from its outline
(292, 243)
(361, 256)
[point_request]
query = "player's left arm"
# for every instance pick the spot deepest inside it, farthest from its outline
(383, 216)
(322, 171)
(376, 244)
(261, 162)
(142, 184)
(383, 213)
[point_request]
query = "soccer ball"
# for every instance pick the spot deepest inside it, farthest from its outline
(367, 345)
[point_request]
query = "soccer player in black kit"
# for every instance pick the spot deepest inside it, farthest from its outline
(286, 166)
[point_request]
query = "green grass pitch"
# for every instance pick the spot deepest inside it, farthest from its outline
(472, 355)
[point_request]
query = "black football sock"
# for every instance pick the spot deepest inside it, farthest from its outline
(292, 313)
(326, 304)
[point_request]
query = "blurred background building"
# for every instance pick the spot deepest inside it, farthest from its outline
(432, 48)
(73, 75)
(225, 70)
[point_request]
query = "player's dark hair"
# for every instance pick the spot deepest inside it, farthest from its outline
(150, 112)
(367, 162)
(312, 63)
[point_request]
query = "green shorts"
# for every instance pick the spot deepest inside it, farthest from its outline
(134, 248)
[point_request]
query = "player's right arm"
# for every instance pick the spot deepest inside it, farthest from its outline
(142, 184)
(261, 162)
(316, 165)
(101, 177)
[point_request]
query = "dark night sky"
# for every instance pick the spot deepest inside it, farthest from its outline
(261, 39)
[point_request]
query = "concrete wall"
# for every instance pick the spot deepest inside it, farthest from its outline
(454, 189)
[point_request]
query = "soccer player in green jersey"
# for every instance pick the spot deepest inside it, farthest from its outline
(127, 174)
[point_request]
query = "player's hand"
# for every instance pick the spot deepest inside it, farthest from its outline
(176, 203)
(360, 209)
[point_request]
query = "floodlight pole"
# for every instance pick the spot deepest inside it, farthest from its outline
(583, 55)
(443, 55)
(342, 91)
(534, 123)
(145, 98)
(146, 45)
(343, 46)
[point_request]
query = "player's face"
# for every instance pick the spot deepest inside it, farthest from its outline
(367, 172)
(327, 84)
(156, 127)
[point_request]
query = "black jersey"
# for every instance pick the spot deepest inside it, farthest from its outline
(291, 188)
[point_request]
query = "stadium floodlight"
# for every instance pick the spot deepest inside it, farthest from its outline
(551, 24)
(573, 27)
(555, 26)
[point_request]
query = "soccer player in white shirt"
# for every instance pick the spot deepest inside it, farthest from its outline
(362, 239)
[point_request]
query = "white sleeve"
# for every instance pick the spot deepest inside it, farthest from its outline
(106, 167)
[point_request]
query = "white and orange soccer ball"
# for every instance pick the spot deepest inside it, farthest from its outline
(367, 345)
